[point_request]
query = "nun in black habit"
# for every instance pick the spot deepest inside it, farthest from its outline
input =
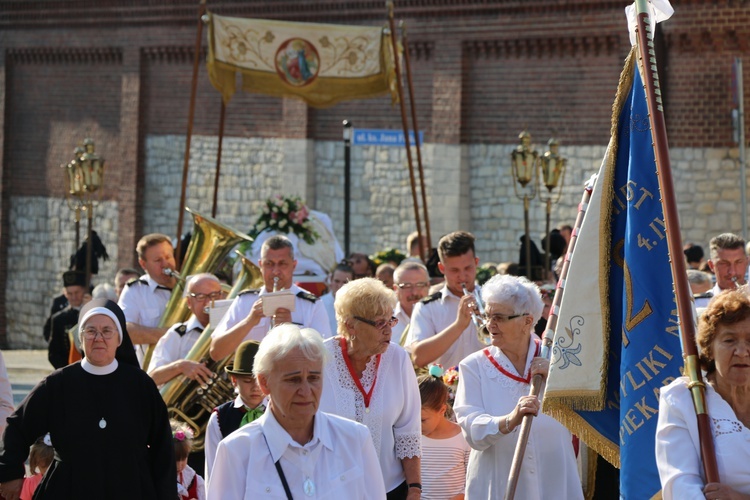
(107, 421)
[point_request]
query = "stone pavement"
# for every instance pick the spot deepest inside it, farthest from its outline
(25, 369)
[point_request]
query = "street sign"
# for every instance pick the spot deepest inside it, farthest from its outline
(383, 137)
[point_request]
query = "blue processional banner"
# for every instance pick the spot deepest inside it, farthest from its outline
(609, 395)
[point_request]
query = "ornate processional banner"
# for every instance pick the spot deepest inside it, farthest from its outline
(319, 63)
(617, 340)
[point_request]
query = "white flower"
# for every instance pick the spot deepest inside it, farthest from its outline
(285, 208)
(282, 223)
(261, 225)
(266, 209)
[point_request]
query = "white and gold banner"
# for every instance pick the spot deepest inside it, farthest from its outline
(319, 63)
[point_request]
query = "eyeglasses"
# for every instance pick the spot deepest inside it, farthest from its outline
(380, 324)
(90, 333)
(501, 318)
(409, 286)
(204, 296)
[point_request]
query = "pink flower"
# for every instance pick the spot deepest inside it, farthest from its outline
(179, 436)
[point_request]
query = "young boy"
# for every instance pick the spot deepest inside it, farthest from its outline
(249, 404)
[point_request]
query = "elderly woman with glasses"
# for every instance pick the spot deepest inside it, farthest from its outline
(371, 380)
(107, 422)
(294, 450)
(493, 397)
(724, 341)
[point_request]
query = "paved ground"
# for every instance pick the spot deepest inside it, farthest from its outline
(25, 370)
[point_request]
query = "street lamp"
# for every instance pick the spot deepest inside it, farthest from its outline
(553, 175)
(524, 163)
(83, 178)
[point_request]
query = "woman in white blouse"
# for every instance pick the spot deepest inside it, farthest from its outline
(294, 450)
(724, 339)
(371, 380)
(493, 396)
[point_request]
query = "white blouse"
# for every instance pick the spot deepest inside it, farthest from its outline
(339, 463)
(678, 455)
(484, 395)
(394, 414)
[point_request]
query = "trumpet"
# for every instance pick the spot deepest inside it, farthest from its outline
(476, 317)
(173, 274)
(275, 289)
(736, 282)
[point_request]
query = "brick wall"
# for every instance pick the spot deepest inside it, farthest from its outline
(120, 70)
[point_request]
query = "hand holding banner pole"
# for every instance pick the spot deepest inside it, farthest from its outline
(547, 339)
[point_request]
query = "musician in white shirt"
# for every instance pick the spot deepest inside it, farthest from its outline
(246, 319)
(294, 450)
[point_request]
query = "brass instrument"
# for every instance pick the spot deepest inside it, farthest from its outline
(187, 400)
(275, 289)
(476, 317)
(210, 244)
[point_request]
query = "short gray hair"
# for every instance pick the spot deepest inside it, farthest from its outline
(724, 241)
(195, 278)
(410, 265)
(282, 340)
(516, 292)
(276, 242)
(696, 277)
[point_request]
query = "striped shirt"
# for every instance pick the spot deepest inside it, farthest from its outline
(444, 467)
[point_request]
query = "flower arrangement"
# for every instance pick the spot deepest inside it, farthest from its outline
(286, 214)
(449, 378)
(388, 255)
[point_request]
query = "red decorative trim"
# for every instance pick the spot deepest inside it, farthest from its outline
(505, 372)
(366, 395)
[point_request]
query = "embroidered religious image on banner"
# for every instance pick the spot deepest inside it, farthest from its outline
(319, 63)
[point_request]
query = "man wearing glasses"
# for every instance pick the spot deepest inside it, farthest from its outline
(169, 360)
(411, 283)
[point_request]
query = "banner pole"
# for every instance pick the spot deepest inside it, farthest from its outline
(685, 311)
(222, 115)
(191, 116)
(417, 142)
(547, 339)
(407, 145)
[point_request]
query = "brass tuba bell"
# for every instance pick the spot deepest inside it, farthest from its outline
(189, 401)
(210, 244)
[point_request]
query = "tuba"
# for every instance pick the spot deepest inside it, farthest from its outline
(189, 401)
(210, 243)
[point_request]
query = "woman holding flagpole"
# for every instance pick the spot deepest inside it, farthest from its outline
(371, 380)
(493, 396)
(724, 339)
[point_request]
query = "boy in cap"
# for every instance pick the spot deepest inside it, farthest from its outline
(248, 406)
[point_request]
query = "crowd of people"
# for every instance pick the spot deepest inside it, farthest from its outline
(339, 394)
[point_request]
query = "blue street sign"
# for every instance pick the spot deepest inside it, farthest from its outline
(383, 137)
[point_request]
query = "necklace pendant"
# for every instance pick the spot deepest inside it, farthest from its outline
(309, 487)
(367, 410)
(102, 423)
